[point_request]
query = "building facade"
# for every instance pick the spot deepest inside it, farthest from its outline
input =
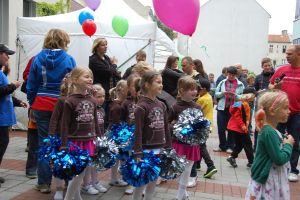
(296, 25)
(278, 45)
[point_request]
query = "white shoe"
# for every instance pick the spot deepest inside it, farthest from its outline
(119, 183)
(100, 187)
(229, 151)
(129, 190)
(191, 182)
(293, 177)
(89, 189)
(59, 195)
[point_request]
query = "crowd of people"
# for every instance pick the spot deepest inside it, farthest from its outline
(80, 103)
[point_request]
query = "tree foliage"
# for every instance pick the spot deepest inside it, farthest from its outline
(160, 25)
(46, 9)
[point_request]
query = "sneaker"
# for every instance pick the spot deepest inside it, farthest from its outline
(43, 188)
(249, 165)
(232, 162)
(129, 190)
(229, 151)
(293, 177)
(59, 195)
(191, 182)
(210, 172)
(31, 175)
(160, 180)
(119, 183)
(89, 189)
(2, 180)
(218, 149)
(98, 186)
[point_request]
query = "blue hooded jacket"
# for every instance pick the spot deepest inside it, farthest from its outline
(7, 113)
(47, 71)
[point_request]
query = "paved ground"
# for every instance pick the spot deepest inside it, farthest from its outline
(228, 183)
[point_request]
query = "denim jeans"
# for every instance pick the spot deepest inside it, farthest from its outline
(43, 169)
(223, 117)
(292, 126)
(31, 163)
(4, 140)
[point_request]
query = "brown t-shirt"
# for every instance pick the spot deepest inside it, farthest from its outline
(128, 108)
(152, 130)
(55, 121)
(115, 113)
(101, 117)
(79, 120)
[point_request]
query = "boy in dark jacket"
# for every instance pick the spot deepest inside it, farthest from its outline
(238, 125)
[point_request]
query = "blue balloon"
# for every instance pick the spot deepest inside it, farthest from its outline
(84, 15)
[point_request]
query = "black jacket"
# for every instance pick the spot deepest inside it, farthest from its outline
(104, 72)
(170, 78)
(262, 80)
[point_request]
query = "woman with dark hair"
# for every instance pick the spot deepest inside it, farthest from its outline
(199, 68)
(170, 76)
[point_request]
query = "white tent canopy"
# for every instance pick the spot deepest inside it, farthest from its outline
(142, 33)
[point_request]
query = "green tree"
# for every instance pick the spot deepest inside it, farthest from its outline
(46, 9)
(160, 25)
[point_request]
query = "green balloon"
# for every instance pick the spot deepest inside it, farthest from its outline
(120, 25)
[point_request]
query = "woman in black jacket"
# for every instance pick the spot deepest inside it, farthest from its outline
(170, 76)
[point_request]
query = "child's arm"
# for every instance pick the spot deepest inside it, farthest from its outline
(97, 128)
(56, 115)
(139, 115)
(66, 123)
(278, 156)
(167, 130)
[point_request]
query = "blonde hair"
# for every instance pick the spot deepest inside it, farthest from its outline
(186, 83)
(64, 87)
(141, 68)
(56, 39)
(97, 42)
(116, 92)
(75, 74)
(269, 101)
(98, 87)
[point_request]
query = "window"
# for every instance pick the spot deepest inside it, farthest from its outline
(4, 21)
(271, 48)
(283, 61)
(274, 62)
(283, 48)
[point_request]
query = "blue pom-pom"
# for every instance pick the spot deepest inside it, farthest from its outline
(51, 145)
(67, 164)
(143, 172)
(123, 135)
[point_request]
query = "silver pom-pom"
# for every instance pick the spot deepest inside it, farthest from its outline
(191, 127)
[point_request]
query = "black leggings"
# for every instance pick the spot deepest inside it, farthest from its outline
(4, 140)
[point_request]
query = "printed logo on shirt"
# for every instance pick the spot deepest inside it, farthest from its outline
(131, 108)
(100, 116)
(85, 110)
(156, 116)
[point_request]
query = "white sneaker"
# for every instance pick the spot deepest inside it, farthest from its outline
(100, 187)
(59, 195)
(191, 182)
(293, 177)
(89, 189)
(229, 151)
(129, 190)
(119, 183)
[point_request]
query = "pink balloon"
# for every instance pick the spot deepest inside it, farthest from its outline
(93, 4)
(179, 15)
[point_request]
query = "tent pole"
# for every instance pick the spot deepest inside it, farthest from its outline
(149, 42)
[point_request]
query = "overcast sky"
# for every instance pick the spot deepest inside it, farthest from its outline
(282, 13)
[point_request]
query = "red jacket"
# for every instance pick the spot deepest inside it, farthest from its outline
(240, 117)
(27, 69)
